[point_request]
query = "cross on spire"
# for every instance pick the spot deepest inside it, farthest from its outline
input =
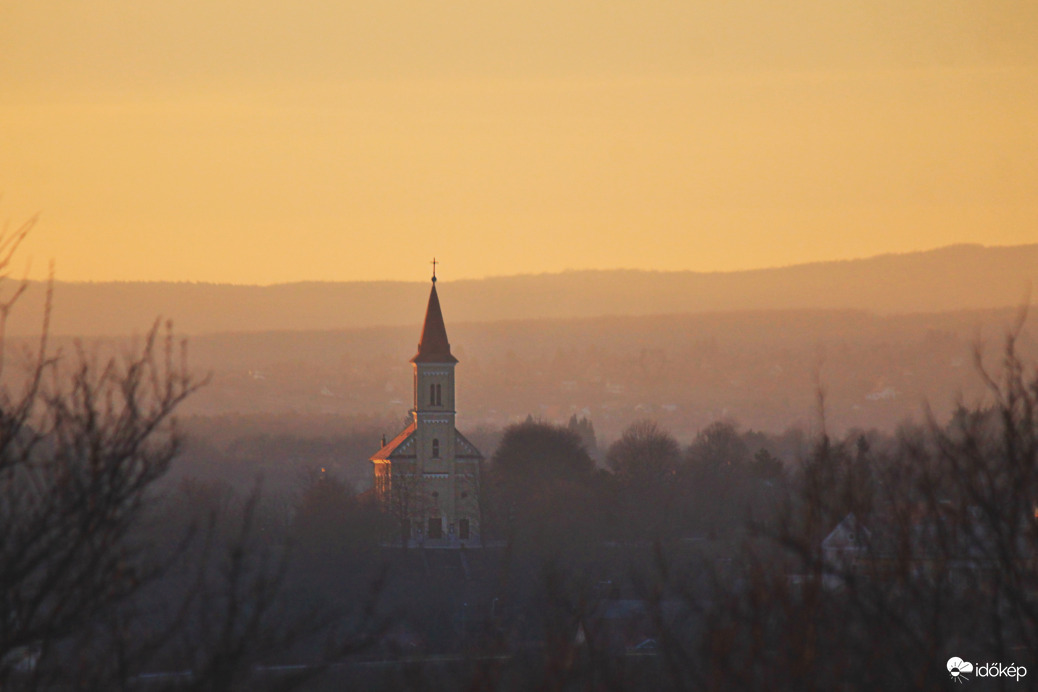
(434, 263)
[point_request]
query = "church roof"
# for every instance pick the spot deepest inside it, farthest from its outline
(402, 446)
(433, 347)
(397, 443)
(463, 449)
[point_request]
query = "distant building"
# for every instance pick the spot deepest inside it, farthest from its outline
(427, 477)
(919, 543)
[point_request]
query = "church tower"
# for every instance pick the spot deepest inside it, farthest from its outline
(427, 477)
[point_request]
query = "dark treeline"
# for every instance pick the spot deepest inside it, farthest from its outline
(637, 471)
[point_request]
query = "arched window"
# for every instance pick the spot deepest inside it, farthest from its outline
(436, 449)
(439, 398)
(432, 395)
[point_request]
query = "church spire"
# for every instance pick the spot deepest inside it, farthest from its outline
(433, 347)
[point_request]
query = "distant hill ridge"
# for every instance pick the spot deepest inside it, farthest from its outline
(951, 278)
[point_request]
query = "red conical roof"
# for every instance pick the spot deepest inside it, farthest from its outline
(433, 346)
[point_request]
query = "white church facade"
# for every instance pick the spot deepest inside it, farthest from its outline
(427, 477)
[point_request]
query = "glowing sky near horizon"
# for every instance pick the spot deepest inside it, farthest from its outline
(264, 142)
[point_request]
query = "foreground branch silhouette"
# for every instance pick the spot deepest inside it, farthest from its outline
(888, 564)
(105, 583)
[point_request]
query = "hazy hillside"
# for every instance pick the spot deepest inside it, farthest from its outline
(952, 278)
(762, 368)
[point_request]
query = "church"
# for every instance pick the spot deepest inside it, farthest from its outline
(427, 477)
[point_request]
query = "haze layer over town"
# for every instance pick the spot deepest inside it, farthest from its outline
(885, 338)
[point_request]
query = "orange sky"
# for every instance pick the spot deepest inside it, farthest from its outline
(266, 141)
